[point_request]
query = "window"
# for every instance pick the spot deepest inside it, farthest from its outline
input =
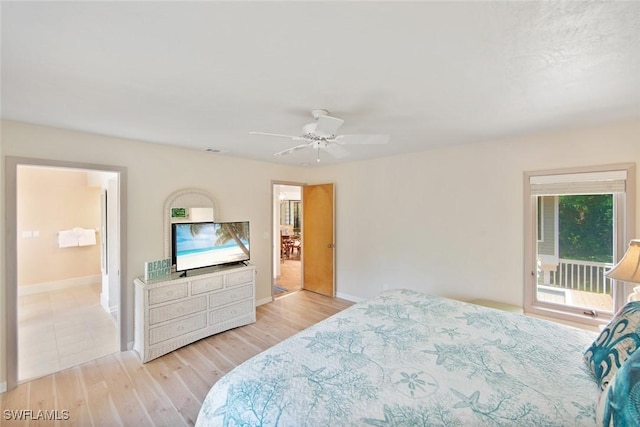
(577, 225)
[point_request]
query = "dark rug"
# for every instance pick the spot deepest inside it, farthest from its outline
(278, 289)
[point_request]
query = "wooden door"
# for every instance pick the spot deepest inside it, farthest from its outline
(318, 239)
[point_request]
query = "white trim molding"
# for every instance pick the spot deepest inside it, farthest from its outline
(59, 285)
(349, 297)
(264, 301)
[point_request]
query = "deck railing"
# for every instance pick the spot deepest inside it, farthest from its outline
(582, 275)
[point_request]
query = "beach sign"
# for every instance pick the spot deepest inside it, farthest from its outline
(157, 269)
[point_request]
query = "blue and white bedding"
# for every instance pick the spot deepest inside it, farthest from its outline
(405, 358)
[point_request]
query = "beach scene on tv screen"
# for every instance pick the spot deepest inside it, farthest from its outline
(203, 244)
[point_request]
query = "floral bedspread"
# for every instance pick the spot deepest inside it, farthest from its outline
(405, 358)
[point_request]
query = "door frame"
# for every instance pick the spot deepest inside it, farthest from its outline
(275, 206)
(11, 255)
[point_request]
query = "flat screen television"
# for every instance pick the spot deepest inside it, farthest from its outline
(206, 244)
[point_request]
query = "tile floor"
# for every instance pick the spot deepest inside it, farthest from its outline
(57, 330)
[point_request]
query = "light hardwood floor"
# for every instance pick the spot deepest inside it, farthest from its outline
(290, 276)
(119, 390)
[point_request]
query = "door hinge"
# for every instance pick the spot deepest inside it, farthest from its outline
(331, 245)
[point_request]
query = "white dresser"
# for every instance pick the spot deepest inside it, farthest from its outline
(175, 312)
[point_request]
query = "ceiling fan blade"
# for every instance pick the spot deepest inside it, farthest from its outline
(326, 125)
(272, 134)
(336, 151)
(362, 139)
(291, 150)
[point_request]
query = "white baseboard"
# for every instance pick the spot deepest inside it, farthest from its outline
(104, 302)
(58, 285)
(263, 301)
(3, 387)
(349, 297)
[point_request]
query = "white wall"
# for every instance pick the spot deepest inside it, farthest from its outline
(450, 221)
(49, 201)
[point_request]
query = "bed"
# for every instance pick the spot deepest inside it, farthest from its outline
(405, 358)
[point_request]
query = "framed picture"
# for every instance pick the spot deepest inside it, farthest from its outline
(178, 212)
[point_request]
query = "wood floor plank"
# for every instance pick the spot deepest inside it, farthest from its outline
(42, 398)
(206, 369)
(235, 348)
(101, 407)
(119, 390)
(15, 401)
(288, 320)
(197, 385)
(155, 401)
(224, 350)
(297, 315)
(71, 397)
(222, 364)
(163, 370)
(122, 393)
(264, 341)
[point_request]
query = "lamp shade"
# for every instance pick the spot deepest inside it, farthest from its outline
(628, 269)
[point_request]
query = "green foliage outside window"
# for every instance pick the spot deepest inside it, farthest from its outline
(586, 227)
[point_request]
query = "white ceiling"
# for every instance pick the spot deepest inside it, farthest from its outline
(204, 74)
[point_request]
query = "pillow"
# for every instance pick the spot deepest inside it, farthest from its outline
(619, 404)
(615, 344)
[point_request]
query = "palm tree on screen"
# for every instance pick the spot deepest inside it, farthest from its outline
(195, 228)
(236, 231)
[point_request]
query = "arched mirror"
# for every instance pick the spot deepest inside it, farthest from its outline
(187, 205)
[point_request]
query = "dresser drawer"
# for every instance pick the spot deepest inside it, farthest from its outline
(177, 328)
(177, 309)
(205, 285)
(239, 278)
(232, 295)
(167, 293)
(230, 312)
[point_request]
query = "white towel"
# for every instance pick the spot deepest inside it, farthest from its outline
(68, 238)
(86, 237)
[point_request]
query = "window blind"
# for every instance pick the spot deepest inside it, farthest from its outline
(579, 183)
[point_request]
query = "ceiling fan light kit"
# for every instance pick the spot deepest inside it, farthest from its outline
(318, 113)
(321, 135)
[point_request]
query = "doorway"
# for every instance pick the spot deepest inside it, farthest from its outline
(303, 238)
(61, 259)
(287, 240)
(77, 316)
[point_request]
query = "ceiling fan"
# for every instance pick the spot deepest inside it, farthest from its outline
(321, 135)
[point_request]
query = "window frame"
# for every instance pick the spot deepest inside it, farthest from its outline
(625, 231)
(540, 221)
